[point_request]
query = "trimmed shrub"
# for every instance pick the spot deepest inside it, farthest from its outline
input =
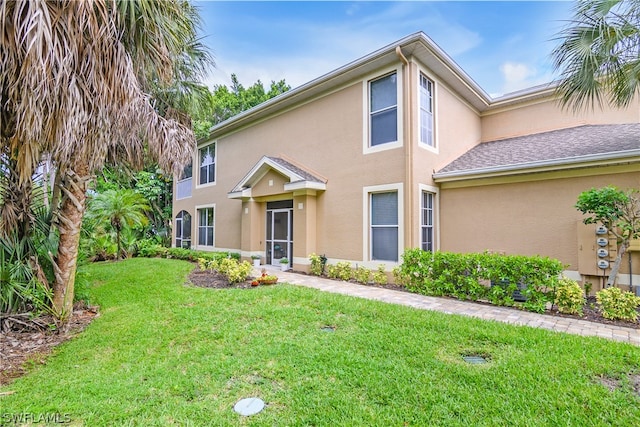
(569, 297)
(362, 275)
(380, 276)
(618, 304)
(481, 276)
(317, 264)
(232, 269)
(341, 270)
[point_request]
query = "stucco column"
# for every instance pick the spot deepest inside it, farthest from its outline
(304, 230)
(252, 234)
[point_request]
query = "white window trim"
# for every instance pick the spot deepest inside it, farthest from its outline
(435, 97)
(197, 244)
(175, 237)
(215, 171)
(366, 234)
(436, 214)
(366, 137)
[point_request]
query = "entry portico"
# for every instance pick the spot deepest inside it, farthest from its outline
(278, 210)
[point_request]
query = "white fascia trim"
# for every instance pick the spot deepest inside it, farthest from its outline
(366, 235)
(268, 162)
(544, 165)
(305, 185)
(245, 193)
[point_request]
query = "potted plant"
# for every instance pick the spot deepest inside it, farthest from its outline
(256, 260)
(284, 264)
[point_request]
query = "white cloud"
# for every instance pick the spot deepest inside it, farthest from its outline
(517, 76)
(300, 49)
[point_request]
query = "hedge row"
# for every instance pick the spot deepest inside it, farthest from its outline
(499, 279)
(157, 251)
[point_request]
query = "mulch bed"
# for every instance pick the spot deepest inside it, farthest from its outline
(25, 342)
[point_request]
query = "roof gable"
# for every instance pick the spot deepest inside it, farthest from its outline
(299, 178)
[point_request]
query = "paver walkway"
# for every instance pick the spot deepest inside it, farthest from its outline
(465, 308)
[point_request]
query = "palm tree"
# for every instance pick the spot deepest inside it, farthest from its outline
(599, 54)
(121, 209)
(72, 76)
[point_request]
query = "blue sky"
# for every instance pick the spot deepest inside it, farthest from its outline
(503, 45)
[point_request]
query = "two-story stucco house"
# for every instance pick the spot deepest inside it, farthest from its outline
(402, 149)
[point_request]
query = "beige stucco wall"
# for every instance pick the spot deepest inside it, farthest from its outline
(323, 139)
(535, 216)
(540, 115)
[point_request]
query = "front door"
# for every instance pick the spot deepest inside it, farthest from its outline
(279, 235)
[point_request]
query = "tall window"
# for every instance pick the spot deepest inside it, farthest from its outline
(205, 227)
(426, 111)
(207, 156)
(427, 222)
(384, 226)
(183, 230)
(383, 110)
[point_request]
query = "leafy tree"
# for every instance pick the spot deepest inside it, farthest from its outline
(118, 210)
(617, 210)
(230, 101)
(599, 54)
(73, 82)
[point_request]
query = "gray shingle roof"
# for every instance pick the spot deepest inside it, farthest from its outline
(564, 145)
(306, 175)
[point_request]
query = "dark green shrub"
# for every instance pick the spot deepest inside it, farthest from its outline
(486, 276)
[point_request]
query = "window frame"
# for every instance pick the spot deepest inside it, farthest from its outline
(367, 233)
(367, 113)
(212, 226)
(434, 191)
(433, 146)
(180, 218)
(213, 163)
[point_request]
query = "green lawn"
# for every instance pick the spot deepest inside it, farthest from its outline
(162, 353)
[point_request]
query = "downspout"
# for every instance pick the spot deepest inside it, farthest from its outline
(407, 120)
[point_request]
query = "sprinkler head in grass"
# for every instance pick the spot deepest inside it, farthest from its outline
(249, 406)
(474, 360)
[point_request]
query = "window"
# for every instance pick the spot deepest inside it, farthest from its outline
(183, 185)
(187, 172)
(383, 110)
(426, 111)
(207, 156)
(426, 227)
(384, 226)
(183, 230)
(205, 227)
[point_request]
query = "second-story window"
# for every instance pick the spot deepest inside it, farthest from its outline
(207, 158)
(383, 110)
(426, 111)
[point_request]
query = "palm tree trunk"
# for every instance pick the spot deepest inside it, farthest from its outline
(616, 264)
(71, 212)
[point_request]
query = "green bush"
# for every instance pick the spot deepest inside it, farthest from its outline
(481, 276)
(317, 264)
(362, 275)
(380, 276)
(618, 304)
(148, 249)
(234, 270)
(341, 270)
(569, 297)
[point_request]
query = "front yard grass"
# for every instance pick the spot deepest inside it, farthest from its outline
(162, 353)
